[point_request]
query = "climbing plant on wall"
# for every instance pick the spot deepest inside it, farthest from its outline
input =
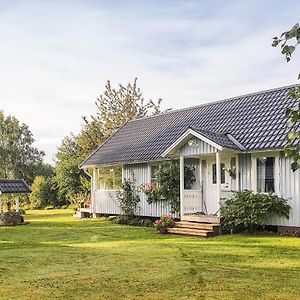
(167, 184)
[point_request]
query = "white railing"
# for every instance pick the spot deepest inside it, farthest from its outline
(192, 201)
(106, 202)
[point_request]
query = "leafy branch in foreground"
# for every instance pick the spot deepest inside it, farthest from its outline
(288, 42)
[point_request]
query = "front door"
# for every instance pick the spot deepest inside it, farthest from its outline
(210, 199)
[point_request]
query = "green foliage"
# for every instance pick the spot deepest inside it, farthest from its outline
(42, 192)
(119, 105)
(18, 157)
(292, 148)
(128, 197)
(133, 221)
(167, 186)
(246, 211)
(69, 178)
(114, 107)
(163, 223)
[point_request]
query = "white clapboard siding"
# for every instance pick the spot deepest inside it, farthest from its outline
(141, 175)
(106, 202)
(200, 147)
(289, 188)
(245, 171)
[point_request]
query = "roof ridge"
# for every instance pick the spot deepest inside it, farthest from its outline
(215, 102)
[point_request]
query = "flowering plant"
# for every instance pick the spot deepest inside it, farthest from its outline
(151, 191)
(164, 222)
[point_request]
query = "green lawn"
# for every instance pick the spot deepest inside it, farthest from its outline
(59, 257)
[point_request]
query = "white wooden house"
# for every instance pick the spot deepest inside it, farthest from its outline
(243, 135)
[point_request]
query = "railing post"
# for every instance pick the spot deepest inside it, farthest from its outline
(181, 168)
(218, 180)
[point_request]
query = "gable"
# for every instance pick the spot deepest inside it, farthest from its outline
(257, 121)
(196, 146)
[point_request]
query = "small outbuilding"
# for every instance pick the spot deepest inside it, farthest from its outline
(15, 186)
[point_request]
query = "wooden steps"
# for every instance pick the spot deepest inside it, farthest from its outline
(205, 226)
(201, 218)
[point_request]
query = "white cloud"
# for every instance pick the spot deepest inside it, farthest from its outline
(56, 56)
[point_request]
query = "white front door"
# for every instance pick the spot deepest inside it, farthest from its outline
(211, 201)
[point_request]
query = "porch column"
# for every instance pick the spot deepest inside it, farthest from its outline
(218, 180)
(94, 188)
(181, 167)
(17, 204)
(1, 211)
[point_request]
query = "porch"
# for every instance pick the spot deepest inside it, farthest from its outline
(216, 172)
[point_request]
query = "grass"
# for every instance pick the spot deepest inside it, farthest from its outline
(59, 257)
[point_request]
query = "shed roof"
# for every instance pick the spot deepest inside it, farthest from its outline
(257, 121)
(14, 186)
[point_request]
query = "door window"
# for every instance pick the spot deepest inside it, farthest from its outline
(214, 173)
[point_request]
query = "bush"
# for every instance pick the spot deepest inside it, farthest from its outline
(133, 221)
(247, 211)
(11, 218)
(128, 197)
(163, 223)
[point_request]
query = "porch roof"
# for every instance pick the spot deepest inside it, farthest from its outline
(217, 140)
(257, 121)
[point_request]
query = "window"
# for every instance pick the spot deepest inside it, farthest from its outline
(265, 174)
(214, 173)
(109, 178)
(153, 171)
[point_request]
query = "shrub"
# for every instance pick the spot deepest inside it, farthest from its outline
(247, 211)
(11, 218)
(133, 221)
(128, 197)
(163, 223)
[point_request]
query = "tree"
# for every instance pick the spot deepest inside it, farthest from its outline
(68, 176)
(119, 105)
(18, 157)
(288, 41)
(40, 192)
(114, 107)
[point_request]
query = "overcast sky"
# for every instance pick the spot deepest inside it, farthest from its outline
(56, 56)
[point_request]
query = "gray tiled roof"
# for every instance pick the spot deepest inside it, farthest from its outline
(14, 186)
(257, 121)
(220, 138)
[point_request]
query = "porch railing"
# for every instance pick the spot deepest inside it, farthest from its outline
(106, 202)
(192, 201)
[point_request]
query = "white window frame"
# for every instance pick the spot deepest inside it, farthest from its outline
(254, 157)
(153, 164)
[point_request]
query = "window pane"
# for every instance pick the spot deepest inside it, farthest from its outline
(118, 178)
(265, 174)
(222, 173)
(214, 173)
(269, 184)
(154, 170)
